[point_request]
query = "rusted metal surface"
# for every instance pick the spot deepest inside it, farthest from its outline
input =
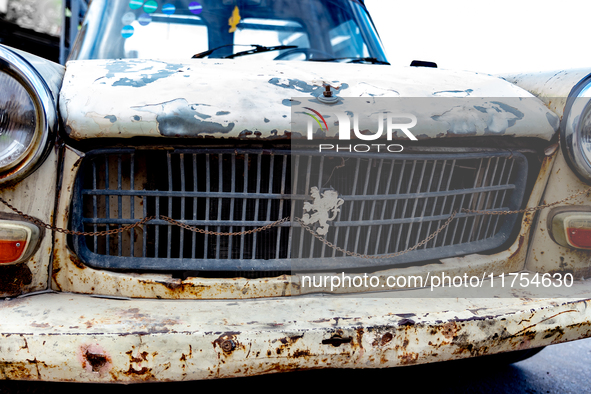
(35, 195)
(545, 254)
(67, 337)
(70, 274)
(552, 87)
(134, 97)
(14, 278)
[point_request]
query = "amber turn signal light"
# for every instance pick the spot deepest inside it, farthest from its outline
(578, 231)
(18, 241)
(572, 229)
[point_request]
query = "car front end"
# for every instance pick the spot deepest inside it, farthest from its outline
(187, 219)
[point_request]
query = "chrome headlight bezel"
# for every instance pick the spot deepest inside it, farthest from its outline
(574, 146)
(46, 114)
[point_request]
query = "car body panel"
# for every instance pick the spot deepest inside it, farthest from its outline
(552, 87)
(36, 196)
(562, 183)
(135, 98)
(69, 337)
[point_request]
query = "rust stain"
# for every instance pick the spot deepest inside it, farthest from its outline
(301, 353)
(556, 332)
(408, 358)
(173, 285)
(13, 278)
(94, 359)
(289, 340)
(16, 371)
(56, 264)
(450, 330)
(77, 262)
(184, 356)
(138, 371)
(135, 372)
(142, 356)
(227, 341)
(386, 338)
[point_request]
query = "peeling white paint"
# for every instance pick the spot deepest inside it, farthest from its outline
(256, 97)
(464, 120)
(79, 338)
(552, 87)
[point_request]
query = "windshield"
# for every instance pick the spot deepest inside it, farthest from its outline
(339, 30)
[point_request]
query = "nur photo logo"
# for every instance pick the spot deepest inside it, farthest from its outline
(383, 124)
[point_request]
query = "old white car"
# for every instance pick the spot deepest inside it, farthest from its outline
(199, 193)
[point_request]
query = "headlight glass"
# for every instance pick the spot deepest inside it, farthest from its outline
(18, 121)
(585, 134)
(576, 130)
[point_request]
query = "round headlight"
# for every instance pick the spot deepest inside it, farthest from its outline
(27, 117)
(576, 130)
(18, 122)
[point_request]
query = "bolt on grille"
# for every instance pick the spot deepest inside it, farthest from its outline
(391, 202)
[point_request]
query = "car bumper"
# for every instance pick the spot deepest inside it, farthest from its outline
(69, 337)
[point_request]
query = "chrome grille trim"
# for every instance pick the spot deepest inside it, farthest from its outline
(392, 201)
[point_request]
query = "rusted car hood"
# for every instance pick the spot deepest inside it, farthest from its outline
(238, 99)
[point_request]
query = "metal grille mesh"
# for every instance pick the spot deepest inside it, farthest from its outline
(391, 203)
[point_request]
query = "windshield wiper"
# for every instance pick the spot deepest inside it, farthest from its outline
(256, 49)
(352, 59)
(203, 54)
(259, 49)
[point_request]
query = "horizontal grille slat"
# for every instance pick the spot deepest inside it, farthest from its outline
(391, 202)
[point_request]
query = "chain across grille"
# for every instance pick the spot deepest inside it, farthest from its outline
(288, 219)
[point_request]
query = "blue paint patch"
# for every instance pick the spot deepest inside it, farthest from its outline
(139, 80)
(195, 7)
(553, 120)
(168, 9)
(126, 66)
(453, 93)
(127, 31)
(289, 103)
(144, 19)
(176, 118)
(507, 108)
(202, 116)
(295, 84)
(112, 118)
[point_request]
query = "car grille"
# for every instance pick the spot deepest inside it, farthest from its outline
(391, 202)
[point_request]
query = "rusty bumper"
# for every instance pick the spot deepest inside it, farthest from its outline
(69, 337)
